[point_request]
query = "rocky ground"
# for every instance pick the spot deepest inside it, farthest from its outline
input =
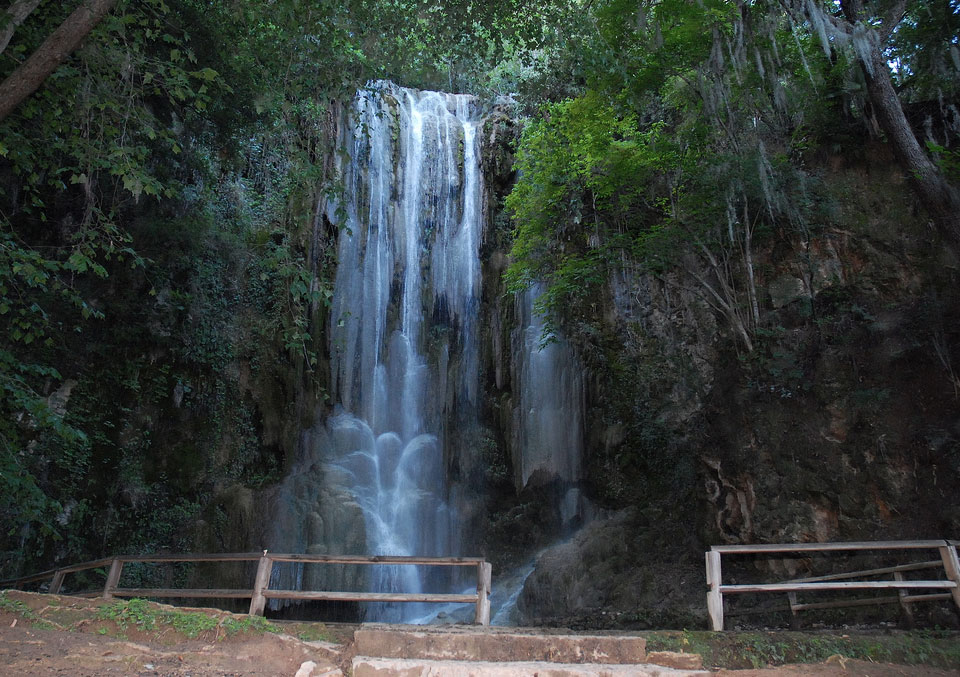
(25, 651)
(58, 635)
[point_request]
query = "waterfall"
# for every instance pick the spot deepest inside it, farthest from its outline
(408, 279)
(405, 359)
(403, 339)
(548, 407)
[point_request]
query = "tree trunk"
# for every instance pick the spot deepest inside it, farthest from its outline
(941, 199)
(28, 77)
(19, 10)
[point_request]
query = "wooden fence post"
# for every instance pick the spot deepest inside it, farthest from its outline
(948, 553)
(257, 601)
(714, 596)
(56, 582)
(794, 612)
(484, 576)
(904, 604)
(113, 578)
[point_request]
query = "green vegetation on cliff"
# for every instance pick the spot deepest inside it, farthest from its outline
(744, 215)
(689, 143)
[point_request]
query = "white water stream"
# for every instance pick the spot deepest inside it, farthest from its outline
(404, 348)
(405, 305)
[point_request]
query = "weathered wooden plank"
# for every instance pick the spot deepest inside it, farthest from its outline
(951, 565)
(484, 578)
(715, 594)
(219, 557)
(875, 600)
(845, 585)
(262, 581)
(377, 559)
(928, 598)
(181, 593)
(904, 602)
(13, 583)
(794, 604)
(113, 578)
(87, 565)
(369, 596)
(940, 596)
(56, 582)
(45, 575)
(827, 547)
(919, 566)
(245, 557)
(776, 608)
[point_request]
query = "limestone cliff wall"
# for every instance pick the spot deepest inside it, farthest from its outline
(843, 422)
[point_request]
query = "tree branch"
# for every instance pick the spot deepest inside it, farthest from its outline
(32, 73)
(852, 9)
(892, 19)
(19, 10)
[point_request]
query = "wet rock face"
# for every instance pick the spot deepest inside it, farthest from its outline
(842, 424)
(851, 413)
(612, 575)
(499, 134)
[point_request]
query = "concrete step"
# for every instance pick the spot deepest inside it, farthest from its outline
(365, 666)
(472, 643)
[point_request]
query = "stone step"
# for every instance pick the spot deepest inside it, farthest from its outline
(365, 666)
(465, 643)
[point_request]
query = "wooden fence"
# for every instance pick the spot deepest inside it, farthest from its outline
(948, 562)
(261, 591)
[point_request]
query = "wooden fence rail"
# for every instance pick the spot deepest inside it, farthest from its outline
(948, 562)
(261, 590)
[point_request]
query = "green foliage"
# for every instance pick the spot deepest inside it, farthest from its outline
(134, 186)
(675, 155)
(948, 160)
(77, 155)
(312, 632)
(14, 606)
(584, 168)
(293, 291)
(926, 50)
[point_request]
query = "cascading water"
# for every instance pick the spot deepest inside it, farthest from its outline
(404, 358)
(548, 411)
(408, 278)
(404, 354)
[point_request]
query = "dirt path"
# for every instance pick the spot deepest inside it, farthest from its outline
(26, 651)
(59, 635)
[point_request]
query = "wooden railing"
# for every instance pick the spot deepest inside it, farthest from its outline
(839, 582)
(261, 591)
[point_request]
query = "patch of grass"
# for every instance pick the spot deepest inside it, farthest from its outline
(15, 606)
(147, 617)
(312, 632)
(257, 624)
(738, 650)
